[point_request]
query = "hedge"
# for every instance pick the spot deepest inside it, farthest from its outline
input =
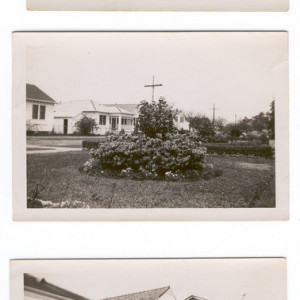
(256, 150)
(91, 144)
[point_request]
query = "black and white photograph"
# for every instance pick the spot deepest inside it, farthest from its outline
(149, 279)
(160, 5)
(153, 120)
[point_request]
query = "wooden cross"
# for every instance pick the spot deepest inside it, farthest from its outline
(153, 86)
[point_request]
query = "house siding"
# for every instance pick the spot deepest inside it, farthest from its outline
(38, 124)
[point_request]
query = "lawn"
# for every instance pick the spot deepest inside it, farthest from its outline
(246, 182)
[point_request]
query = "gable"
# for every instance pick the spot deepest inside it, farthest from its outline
(33, 93)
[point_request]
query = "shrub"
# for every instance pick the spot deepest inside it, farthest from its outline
(109, 132)
(122, 131)
(173, 158)
(218, 138)
(86, 125)
(155, 117)
(90, 144)
(256, 150)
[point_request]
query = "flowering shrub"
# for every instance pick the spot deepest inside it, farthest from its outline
(172, 158)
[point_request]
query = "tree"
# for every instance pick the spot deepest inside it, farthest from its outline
(235, 133)
(202, 125)
(271, 125)
(220, 123)
(86, 125)
(155, 118)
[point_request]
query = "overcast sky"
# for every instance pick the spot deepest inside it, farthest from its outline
(240, 72)
(211, 279)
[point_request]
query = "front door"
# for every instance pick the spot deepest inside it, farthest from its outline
(113, 124)
(65, 126)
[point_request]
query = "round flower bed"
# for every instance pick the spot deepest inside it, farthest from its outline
(177, 157)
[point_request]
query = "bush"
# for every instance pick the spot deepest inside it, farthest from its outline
(86, 126)
(219, 138)
(178, 156)
(90, 144)
(109, 132)
(155, 117)
(256, 150)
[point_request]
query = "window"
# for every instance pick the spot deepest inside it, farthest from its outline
(35, 111)
(126, 121)
(102, 120)
(42, 112)
(181, 119)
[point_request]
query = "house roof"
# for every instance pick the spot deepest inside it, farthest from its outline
(146, 295)
(129, 107)
(192, 297)
(75, 107)
(43, 285)
(34, 93)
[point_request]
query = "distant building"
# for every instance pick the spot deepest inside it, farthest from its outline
(40, 289)
(39, 110)
(107, 117)
(164, 293)
(181, 122)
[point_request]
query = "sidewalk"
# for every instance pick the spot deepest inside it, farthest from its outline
(47, 149)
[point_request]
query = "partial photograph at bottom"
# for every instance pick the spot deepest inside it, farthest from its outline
(149, 279)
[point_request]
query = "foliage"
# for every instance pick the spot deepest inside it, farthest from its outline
(31, 127)
(257, 150)
(218, 138)
(90, 144)
(149, 157)
(155, 118)
(271, 125)
(86, 125)
(235, 133)
(202, 125)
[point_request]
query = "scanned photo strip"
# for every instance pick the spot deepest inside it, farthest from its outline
(160, 5)
(150, 279)
(150, 126)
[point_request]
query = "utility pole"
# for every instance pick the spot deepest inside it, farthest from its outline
(234, 119)
(214, 114)
(153, 86)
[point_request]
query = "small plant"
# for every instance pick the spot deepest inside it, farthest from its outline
(86, 126)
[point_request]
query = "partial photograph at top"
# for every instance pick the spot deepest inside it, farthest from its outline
(160, 5)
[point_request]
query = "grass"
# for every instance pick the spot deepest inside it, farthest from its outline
(246, 182)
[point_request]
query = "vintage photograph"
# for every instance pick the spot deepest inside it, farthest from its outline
(155, 119)
(150, 279)
(159, 5)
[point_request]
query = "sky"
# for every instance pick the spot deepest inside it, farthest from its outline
(241, 72)
(211, 279)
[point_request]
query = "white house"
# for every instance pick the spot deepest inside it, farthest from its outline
(40, 289)
(181, 122)
(107, 117)
(39, 110)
